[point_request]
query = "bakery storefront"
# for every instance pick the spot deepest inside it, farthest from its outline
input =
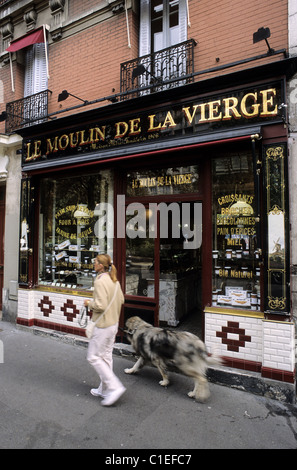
(188, 193)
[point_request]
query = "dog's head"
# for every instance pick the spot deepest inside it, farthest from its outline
(132, 324)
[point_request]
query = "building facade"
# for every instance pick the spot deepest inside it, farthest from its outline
(160, 132)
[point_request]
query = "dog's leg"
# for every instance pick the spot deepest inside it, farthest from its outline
(201, 389)
(138, 365)
(163, 371)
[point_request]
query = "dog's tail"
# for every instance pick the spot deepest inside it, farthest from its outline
(214, 359)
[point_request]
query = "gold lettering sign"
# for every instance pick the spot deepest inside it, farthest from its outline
(73, 223)
(260, 104)
(235, 274)
(163, 180)
(71, 219)
(236, 220)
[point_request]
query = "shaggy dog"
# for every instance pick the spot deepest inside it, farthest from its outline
(179, 351)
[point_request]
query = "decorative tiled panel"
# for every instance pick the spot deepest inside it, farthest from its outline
(234, 336)
(70, 310)
(25, 304)
(278, 345)
(46, 306)
(253, 343)
(50, 308)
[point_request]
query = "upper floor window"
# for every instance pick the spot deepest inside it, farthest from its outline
(166, 55)
(33, 107)
(163, 23)
(35, 70)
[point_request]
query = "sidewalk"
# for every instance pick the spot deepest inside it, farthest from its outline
(45, 403)
(248, 381)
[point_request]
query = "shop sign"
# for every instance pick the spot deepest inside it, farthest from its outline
(163, 181)
(201, 116)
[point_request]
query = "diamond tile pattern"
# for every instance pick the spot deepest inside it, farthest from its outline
(233, 336)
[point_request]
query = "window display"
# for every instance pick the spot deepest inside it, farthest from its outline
(236, 269)
(69, 226)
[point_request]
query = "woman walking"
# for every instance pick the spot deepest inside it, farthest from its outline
(106, 289)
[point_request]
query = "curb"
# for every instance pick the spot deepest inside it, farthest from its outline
(246, 381)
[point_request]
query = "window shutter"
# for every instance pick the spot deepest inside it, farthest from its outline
(145, 28)
(35, 70)
(183, 21)
(40, 75)
(28, 81)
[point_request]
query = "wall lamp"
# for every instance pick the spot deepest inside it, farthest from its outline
(4, 115)
(140, 70)
(64, 95)
(261, 35)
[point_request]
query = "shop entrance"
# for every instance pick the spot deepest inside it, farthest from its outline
(163, 281)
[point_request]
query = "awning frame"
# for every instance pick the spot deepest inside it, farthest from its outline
(27, 40)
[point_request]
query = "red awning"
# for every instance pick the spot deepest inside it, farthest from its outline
(25, 41)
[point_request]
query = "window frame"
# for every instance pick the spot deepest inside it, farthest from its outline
(109, 174)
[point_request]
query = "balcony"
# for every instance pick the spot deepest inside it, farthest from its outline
(27, 111)
(164, 69)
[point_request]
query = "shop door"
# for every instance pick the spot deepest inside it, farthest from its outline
(2, 219)
(163, 282)
(142, 264)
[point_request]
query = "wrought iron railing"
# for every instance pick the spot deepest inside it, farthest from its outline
(168, 68)
(27, 111)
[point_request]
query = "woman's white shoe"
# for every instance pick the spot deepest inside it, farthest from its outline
(96, 392)
(112, 397)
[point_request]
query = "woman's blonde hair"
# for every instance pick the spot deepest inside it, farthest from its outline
(108, 265)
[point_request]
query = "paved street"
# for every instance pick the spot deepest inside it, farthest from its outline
(45, 404)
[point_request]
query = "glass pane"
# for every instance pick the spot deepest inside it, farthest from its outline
(157, 25)
(164, 24)
(173, 23)
(277, 298)
(26, 194)
(74, 223)
(236, 271)
(140, 254)
(180, 262)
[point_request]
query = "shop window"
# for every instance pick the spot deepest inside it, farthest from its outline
(75, 214)
(26, 218)
(236, 270)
